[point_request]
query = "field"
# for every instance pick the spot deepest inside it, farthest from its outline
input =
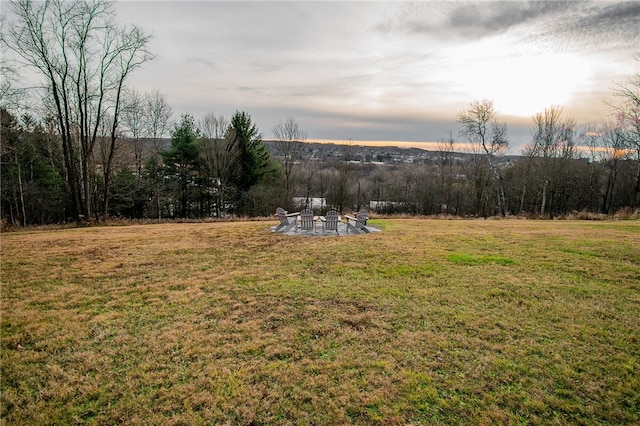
(427, 322)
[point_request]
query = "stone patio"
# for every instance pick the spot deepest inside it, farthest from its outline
(318, 232)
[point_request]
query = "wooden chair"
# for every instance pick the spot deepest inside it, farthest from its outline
(287, 220)
(330, 221)
(359, 223)
(307, 221)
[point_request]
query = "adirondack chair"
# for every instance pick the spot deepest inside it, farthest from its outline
(359, 223)
(307, 221)
(287, 220)
(330, 221)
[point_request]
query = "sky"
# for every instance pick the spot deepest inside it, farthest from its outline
(387, 70)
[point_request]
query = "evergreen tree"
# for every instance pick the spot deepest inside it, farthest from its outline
(32, 183)
(154, 185)
(124, 201)
(255, 161)
(181, 160)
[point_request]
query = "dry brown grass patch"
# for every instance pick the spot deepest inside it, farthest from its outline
(451, 322)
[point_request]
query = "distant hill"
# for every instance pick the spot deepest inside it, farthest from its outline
(353, 152)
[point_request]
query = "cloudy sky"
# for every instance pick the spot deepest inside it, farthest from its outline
(390, 71)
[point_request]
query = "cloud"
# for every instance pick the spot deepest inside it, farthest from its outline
(572, 24)
(598, 25)
(384, 70)
(456, 21)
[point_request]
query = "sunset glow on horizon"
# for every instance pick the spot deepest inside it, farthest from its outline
(428, 146)
(387, 71)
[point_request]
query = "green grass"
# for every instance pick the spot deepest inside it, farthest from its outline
(426, 322)
(471, 259)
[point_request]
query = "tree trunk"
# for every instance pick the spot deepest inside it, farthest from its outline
(544, 197)
(609, 188)
(636, 198)
(523, 196)
(21, 191)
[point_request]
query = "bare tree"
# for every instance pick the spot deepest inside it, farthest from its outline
(157, 115)
(12, 189)
(309, 173)
(289, 138)
(608, 147)
(339, 182)
(133, 126)
(553, 142)
(616, 148)
(214, 126)
(11, 96)
(445, 151)
(132, 117)
(157, 124)
(480, 127)
(144, 120)
(220, 156)
(85, 59)
(528, 155)
(629, 116)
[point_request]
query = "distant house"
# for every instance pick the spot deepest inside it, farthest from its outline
(314, 203)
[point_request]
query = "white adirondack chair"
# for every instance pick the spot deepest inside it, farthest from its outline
(359, 223)
(330, 221)
(287, 220)
(307, 221)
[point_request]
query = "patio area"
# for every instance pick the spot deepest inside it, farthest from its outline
(306, 223)
(318, 231)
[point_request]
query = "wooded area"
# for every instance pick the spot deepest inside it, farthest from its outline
(201, 177)
(93, 148)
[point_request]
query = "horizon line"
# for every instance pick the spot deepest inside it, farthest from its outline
(426, 145)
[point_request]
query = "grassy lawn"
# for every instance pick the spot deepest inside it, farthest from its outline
(426, 322)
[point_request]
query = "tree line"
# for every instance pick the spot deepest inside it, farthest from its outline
(93, 148)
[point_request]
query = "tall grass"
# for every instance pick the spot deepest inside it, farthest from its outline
(426, 322)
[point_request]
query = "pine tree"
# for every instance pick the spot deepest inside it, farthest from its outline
(181, 160)
(255, 160)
